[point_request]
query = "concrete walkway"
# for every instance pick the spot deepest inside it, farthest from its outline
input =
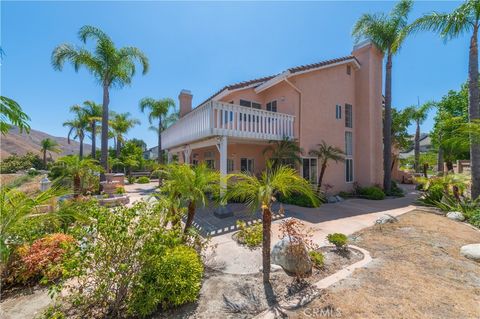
(345, 217)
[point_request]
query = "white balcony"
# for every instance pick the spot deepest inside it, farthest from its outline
(224, 119)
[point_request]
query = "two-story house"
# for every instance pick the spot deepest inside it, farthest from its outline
(338, 101)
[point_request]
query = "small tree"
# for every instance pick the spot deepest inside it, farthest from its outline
(326, 153)
(77, 170)
(12, 114)
(284, 152)
(48, 145)
(260, 193)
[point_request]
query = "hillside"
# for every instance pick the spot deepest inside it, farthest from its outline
(21, 143)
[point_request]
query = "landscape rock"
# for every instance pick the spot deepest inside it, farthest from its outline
(386, 219)
(292, 256)
(273, 268)
(456, 216)
(471, 251)
(333, 199)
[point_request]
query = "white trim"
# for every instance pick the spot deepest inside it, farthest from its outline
(277, 79)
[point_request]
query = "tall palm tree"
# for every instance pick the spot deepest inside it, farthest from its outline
(190, 185)
(325, 153)
(463, 19)
(12, 114)
(418, 114)
(259, 193)
(48, 145)
(93, 112)
(387, 32)
(121, 123)
(284, 152)
(77, 126)
(110, 66)
(158, 110)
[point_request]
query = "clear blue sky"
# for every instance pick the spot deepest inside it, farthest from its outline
(202, 47)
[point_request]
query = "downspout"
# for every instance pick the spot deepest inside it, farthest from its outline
(299, 106)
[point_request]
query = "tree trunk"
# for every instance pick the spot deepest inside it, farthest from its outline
(45, 159)
(425, 170)
(190, 216)
(449, 166)
(387, 127)
(118, 146)
(160, 153)
(267, 225)
(104, 141)
(320, 178)
(81, 148)
(440, 164)
(474, 111)
(416, 165)
(94, 139)
(76, 185)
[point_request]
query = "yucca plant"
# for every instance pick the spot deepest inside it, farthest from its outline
(260, 193)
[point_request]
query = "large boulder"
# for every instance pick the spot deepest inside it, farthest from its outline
(471, 251)
(292, 256)
(456, 216)
(386, 219)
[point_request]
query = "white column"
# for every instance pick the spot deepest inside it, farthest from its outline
(186, 155)
(222, 148)
(169, 157)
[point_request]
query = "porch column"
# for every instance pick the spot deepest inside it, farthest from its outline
(186, 155)
(169, 157)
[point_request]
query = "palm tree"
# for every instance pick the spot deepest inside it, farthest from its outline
(463, 19)
(158, 110)
(284, 152)
(93, 112)
(48, 145)
(259, 193)
(418, 115)
(387, 32)
(76, 169)
(77, 126)
(121, 123)
(110, 66)
(325, 153)
(191, 185)
(12, 114)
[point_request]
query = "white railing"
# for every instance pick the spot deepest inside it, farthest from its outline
(217, 118)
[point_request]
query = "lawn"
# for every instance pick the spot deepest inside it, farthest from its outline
(417, 272)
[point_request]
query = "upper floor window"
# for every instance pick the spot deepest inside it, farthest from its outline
(272, 106)
(349, 69)
(348, 116)
(338, 112)
(247, 103)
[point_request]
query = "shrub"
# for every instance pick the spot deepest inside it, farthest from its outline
(120, 190)
(249, 235)
(42, 260)
(395, 190)
(298, 200)
(338, 239)
(15, 163)
(373, 192)
(131, 179)
(317, 258)
(143, 180)
(474, 218)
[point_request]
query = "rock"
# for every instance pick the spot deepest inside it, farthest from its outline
(292, 256)
(471, 251)
(273, 268)
(339, 199)
(386, 219)
(332, 199)
(456, 216)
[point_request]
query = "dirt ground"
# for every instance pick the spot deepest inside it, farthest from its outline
(30, 186)
(417, 272)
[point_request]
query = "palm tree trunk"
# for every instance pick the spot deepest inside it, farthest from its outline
(474, 110)
(440, 161)
(45, 159)
(417, 148)
(190, 216)
(76, 185)
(118, 146)
(81, 148)
(104, 141)
(160, 153)
(267, 225)
(320, 178)
(387, 127)
(94, 139)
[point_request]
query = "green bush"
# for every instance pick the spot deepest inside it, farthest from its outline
(249, 235)
(372, 192)
(298, 200)
(395, 190)
(143, 180)
(120, 190)
(317, 258)
(338, 239)
(15, 163)
(131, 179)
(474, 218)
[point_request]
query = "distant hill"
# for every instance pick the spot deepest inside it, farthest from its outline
(20, 143)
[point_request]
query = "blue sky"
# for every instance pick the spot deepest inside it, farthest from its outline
(202, 46)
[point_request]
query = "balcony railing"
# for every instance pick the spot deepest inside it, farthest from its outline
(217, 118)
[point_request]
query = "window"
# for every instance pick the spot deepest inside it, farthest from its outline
(208, 154)
(245, 103)
(210, 163)
(309, 169)
(348, 116)
(195, 162)
(348, 144)
(349, 69)
(272, 106)
(256, 105)
(229, 165)
(246, 165)
(349, 170)
(338, 112)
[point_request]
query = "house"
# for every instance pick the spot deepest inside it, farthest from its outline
(425, 146)
(151, 153)
(339, 101)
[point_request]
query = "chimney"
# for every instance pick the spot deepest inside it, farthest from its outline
(185, 101)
